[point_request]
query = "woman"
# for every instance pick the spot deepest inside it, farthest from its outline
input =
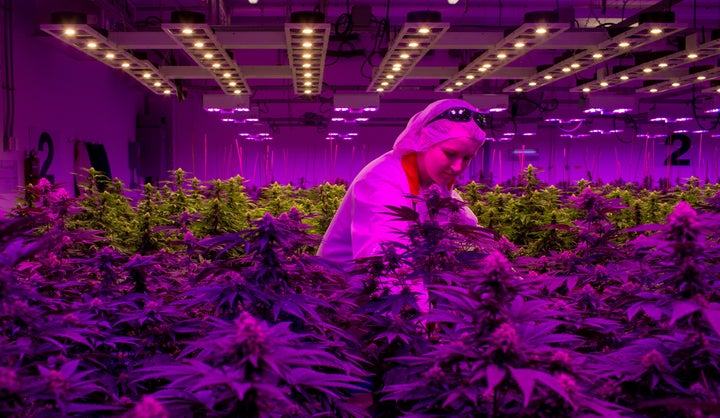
(433, 150)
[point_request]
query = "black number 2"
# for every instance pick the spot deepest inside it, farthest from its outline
(684, 147)
(46, 139)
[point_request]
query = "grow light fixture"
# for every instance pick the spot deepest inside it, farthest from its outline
(574, 136)
(356, 103)
(525, 154)
(695, 75)
(562, 121)
(711, 89)
(634, 37)
(200, 43)
(691, 53)
(610, 105)
(223, 103)
(714, 87)
(661, 113)
(306, 48)
(508, 136)
(342, 131)
(407, 49)
(257, 131)
(349, 119)
(711, 105)
(488, 103)
(91, 42)
(525, 38)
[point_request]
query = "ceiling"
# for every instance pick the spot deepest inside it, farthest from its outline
(257, 40)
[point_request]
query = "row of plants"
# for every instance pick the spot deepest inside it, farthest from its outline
(527, 212)
(194, 300)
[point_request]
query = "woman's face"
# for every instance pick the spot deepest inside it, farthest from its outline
(444, 162)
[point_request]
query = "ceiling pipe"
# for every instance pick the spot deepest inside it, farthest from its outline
(661, 6)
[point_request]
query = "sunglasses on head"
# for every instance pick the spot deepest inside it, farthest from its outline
(461, 114)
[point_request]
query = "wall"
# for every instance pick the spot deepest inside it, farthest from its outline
(210, 149)
(71, 97)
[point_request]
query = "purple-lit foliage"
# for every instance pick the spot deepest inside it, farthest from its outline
(600, 299)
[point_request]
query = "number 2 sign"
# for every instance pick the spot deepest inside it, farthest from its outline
(673, 159)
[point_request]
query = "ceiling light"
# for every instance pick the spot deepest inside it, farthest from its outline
(637, 36)
(356, 103)
(665, 62)
(714, 87)
(255, 130)
(204, 42)
(527, 34)
(306, 49)
(91, 42)
(424, 34)
(609, 105)
(694, 75)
